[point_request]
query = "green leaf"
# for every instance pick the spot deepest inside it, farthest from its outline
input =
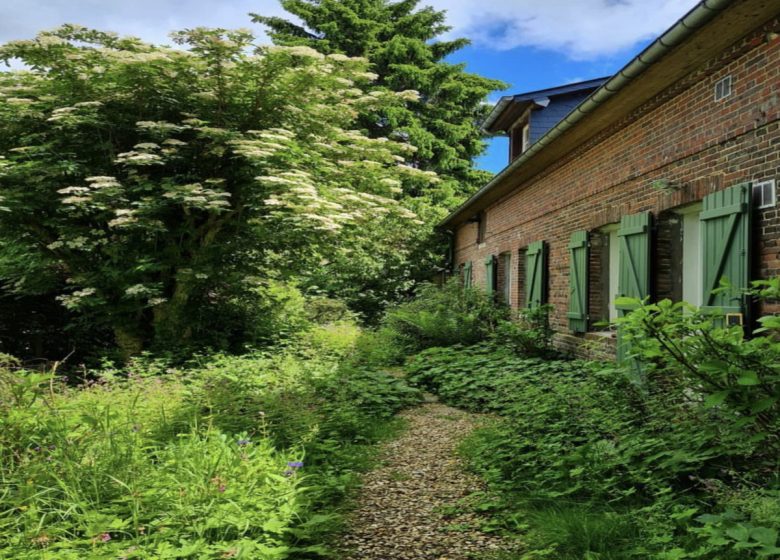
(716, 399)
(763, 404)
(748, 378)
(764, 535)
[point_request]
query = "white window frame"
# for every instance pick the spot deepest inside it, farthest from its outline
(692, 253)
(724, 88)
(526, 137)
(507, 277)
(613, 265)
(759, 186)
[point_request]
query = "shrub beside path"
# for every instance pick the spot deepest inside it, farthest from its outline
(405, 509)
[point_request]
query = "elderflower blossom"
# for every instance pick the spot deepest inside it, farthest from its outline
(409, 95)
(138, 158)
(174, 142)
(147, 146)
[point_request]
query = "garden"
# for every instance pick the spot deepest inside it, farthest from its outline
(217, 317)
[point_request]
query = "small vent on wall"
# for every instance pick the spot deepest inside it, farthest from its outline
(723, 88)
(764, 195)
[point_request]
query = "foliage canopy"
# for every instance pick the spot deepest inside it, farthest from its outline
(157, 191)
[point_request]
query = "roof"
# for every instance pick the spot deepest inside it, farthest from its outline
(710, 27)
(510, 107)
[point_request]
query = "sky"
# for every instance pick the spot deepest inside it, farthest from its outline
(529, 44)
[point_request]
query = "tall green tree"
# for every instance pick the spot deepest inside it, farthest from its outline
(401, 42)
(154, 189)
(404, 46)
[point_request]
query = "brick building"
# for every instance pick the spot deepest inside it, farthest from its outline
(659, 182)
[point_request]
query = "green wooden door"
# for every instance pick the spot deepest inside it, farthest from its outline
(467, 275)
(536, 274)
(725, 227)
(578, 282)
(634, 265)
(490, 275)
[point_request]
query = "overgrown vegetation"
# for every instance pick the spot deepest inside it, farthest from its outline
(157, 198)
(232, 457)
(676, 459)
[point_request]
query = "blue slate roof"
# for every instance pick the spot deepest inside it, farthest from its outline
(551, 105)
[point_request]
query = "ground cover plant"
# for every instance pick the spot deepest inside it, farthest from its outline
(231, 457)
(592, 460)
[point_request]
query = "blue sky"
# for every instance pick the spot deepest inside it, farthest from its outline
(529, 69)
(526, 43)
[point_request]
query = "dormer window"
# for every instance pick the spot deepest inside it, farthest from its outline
(526, 142)
(520, 139)
(527, 117)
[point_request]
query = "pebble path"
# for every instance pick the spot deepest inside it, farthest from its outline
(402, 512)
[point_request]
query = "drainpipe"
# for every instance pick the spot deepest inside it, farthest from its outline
(702, 14)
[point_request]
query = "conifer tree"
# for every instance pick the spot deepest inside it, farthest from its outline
(400, 41)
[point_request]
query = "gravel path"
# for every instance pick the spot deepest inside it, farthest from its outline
(400, 509)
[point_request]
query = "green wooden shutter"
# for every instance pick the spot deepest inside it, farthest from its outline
(467, 275)
(536, 274)
(490, 275)
(634, 264)
(578, 282)
(725, 225)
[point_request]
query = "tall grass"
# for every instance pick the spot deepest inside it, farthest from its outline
(232, 458)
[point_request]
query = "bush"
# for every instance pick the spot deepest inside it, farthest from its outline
(245, 457)
(442, 316)
(577, 444)
(530, 334)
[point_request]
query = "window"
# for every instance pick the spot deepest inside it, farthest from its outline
(505, 277)
(764, 194)
(519, 140)
(691, 261)
(602, 275)
(467, 281)
(490, 275)
(723, 88)
(481, 227)
(526, 141)
(611, 270)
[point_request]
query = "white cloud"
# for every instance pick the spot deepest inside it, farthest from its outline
(151, 20)
(581, 29)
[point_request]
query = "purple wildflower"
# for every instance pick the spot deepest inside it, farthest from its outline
(295, 464)
(105, 537)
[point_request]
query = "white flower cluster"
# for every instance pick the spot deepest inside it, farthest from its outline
(264, 144)
(75, 299)
(302, 51)
(159, 127)
(84, 195)
(140, 159)
(195, 195)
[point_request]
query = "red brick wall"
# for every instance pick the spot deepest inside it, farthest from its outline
(682, 136)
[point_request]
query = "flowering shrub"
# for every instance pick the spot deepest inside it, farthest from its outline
(145, 182)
